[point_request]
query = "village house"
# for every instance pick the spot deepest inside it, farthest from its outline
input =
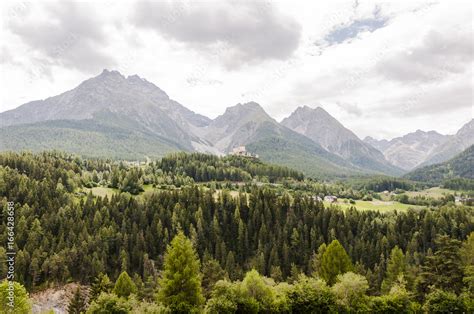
(330, 198)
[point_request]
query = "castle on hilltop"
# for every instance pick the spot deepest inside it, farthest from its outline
(241, 151)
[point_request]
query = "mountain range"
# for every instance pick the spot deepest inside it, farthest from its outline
(422, 148)
(460, 166)
(114, 116)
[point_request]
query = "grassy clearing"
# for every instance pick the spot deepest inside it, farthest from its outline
(435, 192)
(102, 191)
(381, 206)
(234, 194)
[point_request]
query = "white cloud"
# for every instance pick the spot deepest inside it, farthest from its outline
(395, 67)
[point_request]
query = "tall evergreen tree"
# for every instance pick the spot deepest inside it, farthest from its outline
(180, 285)
(335, 261)
(100, 284)
(443, 269)
(396, 266)
(124, 286)
(211, 273)
(77, 304)
(316, 260)
(467, 259)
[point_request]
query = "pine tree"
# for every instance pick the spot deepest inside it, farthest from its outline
(77, 304)
(467, 259)
(335, 261)
(124, 286)
(101, 284)
(396, 266)
(212, 272)
(180, 285)
(316, 260)
(442, 269)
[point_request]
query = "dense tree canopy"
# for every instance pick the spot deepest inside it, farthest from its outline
(280, 230)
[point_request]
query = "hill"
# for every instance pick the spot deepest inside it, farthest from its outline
(461, 166)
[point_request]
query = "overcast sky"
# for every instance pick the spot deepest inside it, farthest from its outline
(381, 68)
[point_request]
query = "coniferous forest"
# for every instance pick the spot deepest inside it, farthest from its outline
(200, 233)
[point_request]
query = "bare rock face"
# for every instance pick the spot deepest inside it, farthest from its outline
(236, 126)
(322, 128)
(412, 149)
(422, 148)
(453, 145)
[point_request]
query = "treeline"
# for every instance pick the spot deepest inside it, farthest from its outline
(459, 184)
(204, 167)
(380, 184)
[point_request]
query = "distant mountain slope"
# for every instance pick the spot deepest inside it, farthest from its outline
(410, 150)
(248, 124)
(461, 166)
(86, 138)
(112, 99)
(453, 145)
(322, 128)
(381, 145)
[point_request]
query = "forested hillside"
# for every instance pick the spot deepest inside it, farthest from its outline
(244, 235)
(459, 167)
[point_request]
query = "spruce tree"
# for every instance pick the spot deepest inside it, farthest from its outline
(180, 285)
(335, 261)
(212, 272)
(101, 284)
(124, 286)
(316, 260)
(443, 269)
(396, 266)
(77, 304)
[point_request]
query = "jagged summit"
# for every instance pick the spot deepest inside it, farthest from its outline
(324, 129)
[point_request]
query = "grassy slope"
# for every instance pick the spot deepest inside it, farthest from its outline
(376, 205)
(435, 192)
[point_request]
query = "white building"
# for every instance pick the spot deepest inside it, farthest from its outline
(330, 198)
(241, 151)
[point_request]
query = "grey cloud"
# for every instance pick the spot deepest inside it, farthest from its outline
(435, 57)
(435, 100)
(71, 36)
(250, 32)
(350, 108)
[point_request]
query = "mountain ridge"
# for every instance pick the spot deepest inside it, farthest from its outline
(140, 112)
(318, 125)
(460, 166)
(421, 148)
